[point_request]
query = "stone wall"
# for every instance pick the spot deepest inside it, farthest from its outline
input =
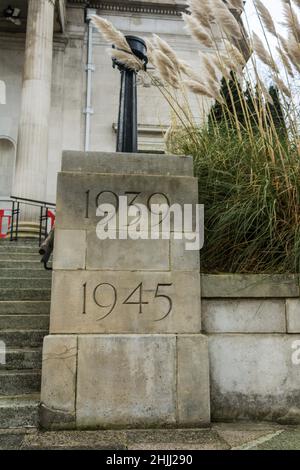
(253, 325)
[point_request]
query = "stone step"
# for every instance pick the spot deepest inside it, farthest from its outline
(19, 411)
(24, 322)
(23, 338)
(5, 256)
(23, 249)
(25, 294)
(27, 230)
(21, 264)
(25, 273)
(24, 283)
(24, 241)
(23, 358)
(24, 307)
(19, 382)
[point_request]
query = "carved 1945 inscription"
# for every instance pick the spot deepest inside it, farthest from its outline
(135, 297)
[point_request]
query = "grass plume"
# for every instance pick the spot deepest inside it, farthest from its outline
(247, 152)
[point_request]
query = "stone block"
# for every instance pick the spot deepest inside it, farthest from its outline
(126, 381)
(137, 255)
(127, 163)
(59, 375)
(182, 259)
(249, 285)
(193, 396)
(125, 302)
(244, 316)
(69, 249)
(255, 377)
(293, 315)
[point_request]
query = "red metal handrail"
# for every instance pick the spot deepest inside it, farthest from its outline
(51, 216)
(4, 214)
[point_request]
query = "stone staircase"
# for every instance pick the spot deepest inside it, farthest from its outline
(25, 289)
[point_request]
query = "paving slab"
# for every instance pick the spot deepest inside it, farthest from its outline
(243, 434)
(178, 439)
(220, 436)
(94, 440)
(286, 440)
(11, 440)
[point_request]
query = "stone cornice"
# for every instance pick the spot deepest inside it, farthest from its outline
(167, 7)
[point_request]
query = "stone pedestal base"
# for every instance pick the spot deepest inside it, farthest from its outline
(125, 348)
(126, 380)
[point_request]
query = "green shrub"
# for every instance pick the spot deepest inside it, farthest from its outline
(251, 203)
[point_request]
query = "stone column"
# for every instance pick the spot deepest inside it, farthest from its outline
(32, 149)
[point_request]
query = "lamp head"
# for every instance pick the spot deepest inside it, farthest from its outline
(138, 48)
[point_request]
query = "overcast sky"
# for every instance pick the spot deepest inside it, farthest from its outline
(275, 8)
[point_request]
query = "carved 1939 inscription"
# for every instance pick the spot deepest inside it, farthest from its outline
(135, 297)
(132, 197)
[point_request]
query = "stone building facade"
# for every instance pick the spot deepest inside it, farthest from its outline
(46, 107)
(61, 90)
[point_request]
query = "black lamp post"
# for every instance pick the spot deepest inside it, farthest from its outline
(127, 123)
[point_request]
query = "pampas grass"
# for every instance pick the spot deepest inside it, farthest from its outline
(248, 167)
(209, 67)
(202, 12)
(294, 52)
(282, 87)
(167, 51)
(214, 89)
(265, 92)
(265, 17)
(263, 54)
(238, 4)
(221, 62)
(291, 20)
(225, 19)
(197, 88)
(129, 60)
(166, 68)
(110, 33)
(285, 60)
(197, 31)
(235, 54)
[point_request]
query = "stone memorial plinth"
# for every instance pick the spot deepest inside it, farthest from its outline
(125, 347)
